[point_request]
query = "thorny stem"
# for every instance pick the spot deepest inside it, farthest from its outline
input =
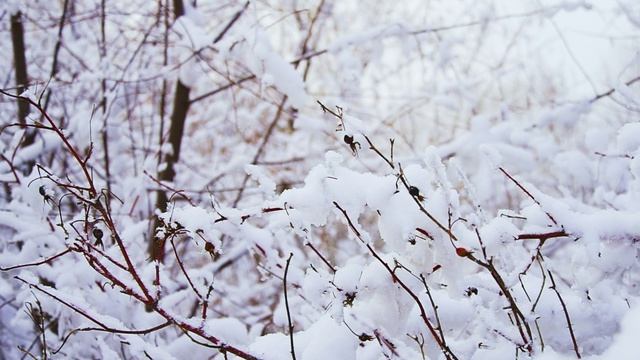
(93, 193)
(544, 280)
(612, 90)
(372, 147)
(114, 331)
(333, 269)
(286, 304)
(553, 220)
(36, 263)
(448, 231)
(566, 315)
(521, 321)
(544, 236)
(423, 314)
(93, 201)
(184, 271)
(95, 263)
(435, 309)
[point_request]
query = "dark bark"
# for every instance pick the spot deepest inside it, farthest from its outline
(176, 130)
(178, 8)
(178, 118)
(20, 64)
(22, 78)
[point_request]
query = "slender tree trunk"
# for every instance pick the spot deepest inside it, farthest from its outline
(103, 102)
(176, 130)
(56, 52)
(22, 78)
(163, 11)
(20, 64)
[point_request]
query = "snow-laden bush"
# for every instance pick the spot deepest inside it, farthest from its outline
(455, 205)
(456, 258)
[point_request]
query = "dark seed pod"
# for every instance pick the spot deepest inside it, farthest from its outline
(414, 191)
(348, 139)
(97, 233)
(349, 298)
(42, 190)
(471, 291)
(209, 247)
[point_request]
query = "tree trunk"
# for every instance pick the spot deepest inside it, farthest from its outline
(176, 130)
(20, 64)
(22, 79)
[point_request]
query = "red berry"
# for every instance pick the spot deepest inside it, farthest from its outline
(462, 252)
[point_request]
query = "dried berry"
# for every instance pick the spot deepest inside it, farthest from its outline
(97, 233)
(414, 191)
(348, 139)
(462, 252)
(209, 247)
(43, 192)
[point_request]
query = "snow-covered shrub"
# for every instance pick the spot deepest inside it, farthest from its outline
(487, 217)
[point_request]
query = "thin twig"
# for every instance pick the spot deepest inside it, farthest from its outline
(286, 304)
(423, 314)
(184, 271)
(333, 269)
(36, 263)
(543, 236)
(528, 194)
(114, 331)
(566, 315)
(612, 90)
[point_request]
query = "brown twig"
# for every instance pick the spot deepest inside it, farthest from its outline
(435, 309)
(528, 194)
(36, 263)
(90, 186)
(543, 236)
(612, 90)
(423, 314)
(184, 271)
(566, 315)
(333, 269)
(521, 321)
(416, 199)
(114, 331)
(286, 304)
(374, 148)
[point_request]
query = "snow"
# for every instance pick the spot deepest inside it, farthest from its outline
(629, 137)
(229, 330)
(623, 346)
(266, 185)
(273, 69)
(504, 151)
(324, 340)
